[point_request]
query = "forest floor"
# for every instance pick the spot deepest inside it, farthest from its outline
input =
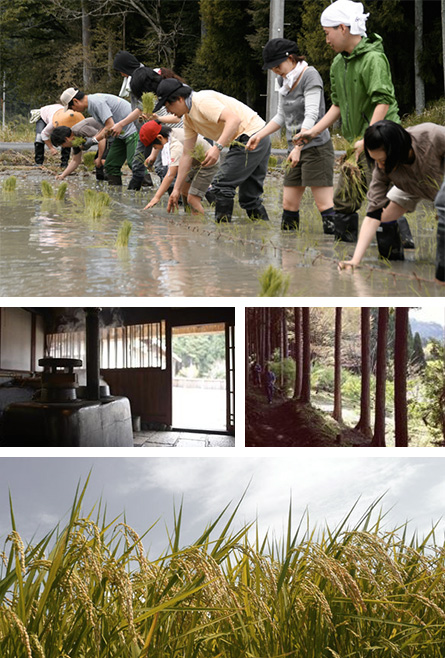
(290, 423)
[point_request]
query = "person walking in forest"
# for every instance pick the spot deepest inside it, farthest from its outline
(171, 142)
(362, 92)
(43, 118)
(64, 136)
(269, 383)
(300, 105)
(409, 166)
(108, 110)
(229, 123)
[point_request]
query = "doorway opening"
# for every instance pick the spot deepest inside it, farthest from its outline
(199, 374)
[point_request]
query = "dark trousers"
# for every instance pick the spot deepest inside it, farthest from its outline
(245, 170)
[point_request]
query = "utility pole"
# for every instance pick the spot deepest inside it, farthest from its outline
(276, 30)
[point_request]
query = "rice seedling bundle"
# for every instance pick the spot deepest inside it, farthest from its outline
(354, 186)
(88, 159)
(47, 189)
(61, 191)
(148, 102)
(10, 184)
(123, 234)
(199, 152)
(96, 202)
(273, 283)
(78, 142)
(88, 589)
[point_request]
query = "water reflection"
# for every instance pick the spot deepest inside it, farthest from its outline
(50, 247)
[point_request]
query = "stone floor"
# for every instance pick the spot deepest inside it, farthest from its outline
(182, 439)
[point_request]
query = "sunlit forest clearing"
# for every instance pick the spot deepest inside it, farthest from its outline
(344, 377)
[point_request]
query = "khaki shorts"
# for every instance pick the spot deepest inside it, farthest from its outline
(407, 201)
(200, 178)
(315, 169)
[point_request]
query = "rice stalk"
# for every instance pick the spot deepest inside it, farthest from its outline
(78, 142)
(273, 282)
(199, 152)
(96, 202)
(123, 234)
(46, 189)
(354, 185)
(9, 184)
(148, 102)
(61, 191)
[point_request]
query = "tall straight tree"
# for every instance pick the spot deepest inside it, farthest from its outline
(364, 423)
(306, 383)
(380, 387)
(298, 356)
(337, 414)
(400, 366)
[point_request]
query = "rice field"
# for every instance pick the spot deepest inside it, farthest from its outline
(89, 589)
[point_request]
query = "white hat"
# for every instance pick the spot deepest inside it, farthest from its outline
(67, 96)
(346, 12)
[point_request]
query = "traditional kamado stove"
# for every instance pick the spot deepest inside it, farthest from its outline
(68, 415)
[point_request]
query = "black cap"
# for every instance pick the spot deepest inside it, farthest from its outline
(276, 51)
(166, 89)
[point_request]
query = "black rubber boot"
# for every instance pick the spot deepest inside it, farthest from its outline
(147, 181)
(290, 220)
(66, 152)
(100, 173)
(405, 233)
(135, 184)
(210, 196)
(327, 217)
(114, 180)
(346, 227)
(39, 152)
(223, 210)
(389, 242)
(258, 214)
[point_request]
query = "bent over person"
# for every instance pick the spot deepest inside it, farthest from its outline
(229, 123)
(64, 136)
(107, 109)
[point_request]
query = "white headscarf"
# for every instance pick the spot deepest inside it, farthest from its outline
(347, 13)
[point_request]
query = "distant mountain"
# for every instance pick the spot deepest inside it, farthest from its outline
(427, 330)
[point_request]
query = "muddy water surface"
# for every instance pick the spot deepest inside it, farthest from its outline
(50, 248)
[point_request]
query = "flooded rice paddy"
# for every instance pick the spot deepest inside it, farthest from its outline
(50, 247)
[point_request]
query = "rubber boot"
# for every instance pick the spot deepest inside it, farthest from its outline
(65, 157)
(210, 196)
(114, 180)
(389, 242)
(135, 184)
(327, 217)
(39, 152)
(346, 227)
(290, 220)
(405, 233)
(258, 214)
(147, 181)
(223, 210)
(100, 173)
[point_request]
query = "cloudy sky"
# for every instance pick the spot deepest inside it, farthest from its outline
(434, 313)
(146, 489)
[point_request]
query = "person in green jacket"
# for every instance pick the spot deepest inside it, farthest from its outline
(362, 93)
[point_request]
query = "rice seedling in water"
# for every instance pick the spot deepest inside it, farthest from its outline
(9, 184)
(148, 102)
(96, 202)
(47, 189)
(351, 590)
(273, 283)
(61, 191)
(123, 234)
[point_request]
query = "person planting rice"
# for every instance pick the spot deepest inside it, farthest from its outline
(127, 64)
(107, 109)
(43, 118)
(300, 105)
(362, 93)
(408, 166)
(224, 120)
(86, 129)
(171, 142)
